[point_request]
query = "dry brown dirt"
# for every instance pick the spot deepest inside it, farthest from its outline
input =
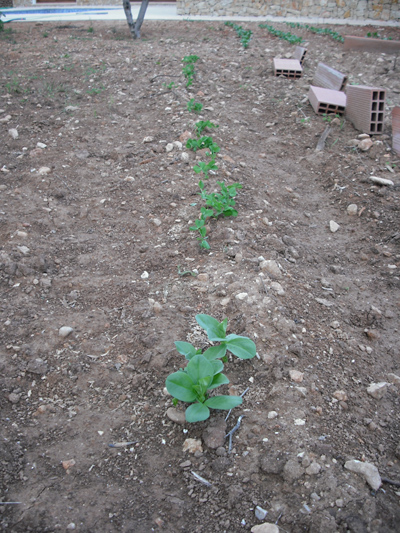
(85, 216)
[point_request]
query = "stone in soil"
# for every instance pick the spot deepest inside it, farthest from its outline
(367, 470)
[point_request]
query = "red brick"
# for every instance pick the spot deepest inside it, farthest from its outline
(290, 68)
(329, 78)
(366, 108)
(366, 44)
(327, 100)
(396, 129)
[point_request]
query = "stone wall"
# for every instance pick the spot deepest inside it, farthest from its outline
(6, 3)
(341, 9)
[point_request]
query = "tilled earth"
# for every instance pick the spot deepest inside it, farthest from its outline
(95, 238)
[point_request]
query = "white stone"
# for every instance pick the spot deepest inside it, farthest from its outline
(14, 133)
(340, 395)
(333, 226)
(381, 181)
(377, 390)
(299, 422)
(367, 470)
(169, 147)
(148, 139)
(313, 469)
(365, 144)
(157, 222)
(64, 331)
(24, 250)
(272, 414)
(241, 296)
(265, 528)
(260, 513)
(145, 275)
(394, 378)
(185, 157)
(277, 287)
(296, 376)
(41, 145)
(192, 446)
(271, 267)
(352, 209)
(178, 144)
(44, 170)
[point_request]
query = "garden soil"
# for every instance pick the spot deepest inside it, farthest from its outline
(101, 274)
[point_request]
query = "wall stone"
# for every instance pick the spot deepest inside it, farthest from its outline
(355, 9)
(6, 3)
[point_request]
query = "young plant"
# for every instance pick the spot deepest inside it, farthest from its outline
(200, 226)
(244, 35)
(169, 85)
(203, 142)
(201, 125)
(188, 68)
(221, 203)
(205, 168)
(286, 36)
(203, 372)
(194, 107)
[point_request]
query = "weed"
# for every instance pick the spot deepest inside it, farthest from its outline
(202, 125)
(14, 86)
(194, 107)
(169, 86)
(95, 90)
(376, 35)
(90, 29)
(244, 35)
(286, 36)
(203, 372)
(45, 34)
(329, 117)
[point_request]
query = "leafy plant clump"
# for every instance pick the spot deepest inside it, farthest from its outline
(320, 31)
(203, 372)
(376, 35)
(194, 106)
(286, 36)
(203, 142)
(202, 125)
(244, 35)
(188, 68)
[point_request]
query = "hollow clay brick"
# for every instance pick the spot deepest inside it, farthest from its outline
(329, 78)
(366, 44)
(366, 108)
(396, 129)
(327, 101)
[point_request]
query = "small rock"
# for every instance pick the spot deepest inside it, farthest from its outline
(64, 331)
(202, 277)
(368, 470)
(21, 234)
(44, 170)
(185, 157)
(313, 469)
(260, 513)
(241, 296)
(365, 144)
(41, 145)
(265, 528)
(178, 144)
(185, 464)
(296, 375)
(277, 287)
(380, 181)
(185, 136)
(24, 250)
(169, 147)
(14, 133)
(14, 398)
(271, 267)
(333, 226)
(340, 395)
(214, 434)
(144, 275)
(148, 139)
(156, 221)
(7, 118)
(192, 446)
(377, 390)
(37, 366)
(393, 378)
(176, 416)
(292, 470)
(324, 302)
(352, 209)
(272, 414)
(68, 464)
(71, 108)
(71, 526)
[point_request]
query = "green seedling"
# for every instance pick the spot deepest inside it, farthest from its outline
(203, 372)
(221, 203)
(203, 125)
(205, 168)
(188, 68)
(90, 29)
(170, 85)
(200, 226)
(244, 35)
(320, 31)
(286, 36)
(203, 142)
(329, 117)
(194, 107)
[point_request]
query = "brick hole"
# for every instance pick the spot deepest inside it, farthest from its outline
(379, 127)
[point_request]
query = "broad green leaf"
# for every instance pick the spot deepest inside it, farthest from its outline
(180, 386)
(217, 365)
(198, 367)
(242, 347)
(216, 331)
(197, 412)
(186, 349)
(219, 379)
(215, 352)
(223, 402)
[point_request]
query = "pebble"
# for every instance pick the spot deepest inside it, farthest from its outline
(148, 139)
(37, 366)
(277, 287)
(185, 157)
(14, 133)
(41, 145)
(202, 277)
(313, 469)
(377, 390)
(14, 398)
(367, 470)
(44, 170)
(214, 434)
(71, 108)
(272, 414)
(71, 526)
(393, 378)
(352, 209)
(333, 226)
(296, 375)
(241, 296)
(260, 513)
(380, 181)
(7, 118)
(272, 268)
(340, 395)
(21, 234)
(145, 275)
(156, 221)
(365, 145)
(24, 250)
(169, 147)
(292, 470)
(178, 144)
(324, 302)
(64, 331)
(192, 446)
(265, 528)
(176, 416)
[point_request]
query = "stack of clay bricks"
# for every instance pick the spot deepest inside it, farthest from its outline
(326, 93)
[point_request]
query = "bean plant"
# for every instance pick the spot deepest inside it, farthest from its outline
(194, 106)
(244, 35)
(203, 373)
(202, 125)
(188, 68)
(286, 36)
